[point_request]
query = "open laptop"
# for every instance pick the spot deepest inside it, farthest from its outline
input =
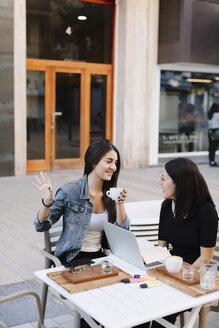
(123, 244)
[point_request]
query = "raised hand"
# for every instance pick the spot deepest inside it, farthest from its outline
(123, 196)
(43, 184)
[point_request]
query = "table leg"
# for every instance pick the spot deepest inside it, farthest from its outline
(165, 323)
(76, 319)
(88, 318)
(189, 322)
(192, 317)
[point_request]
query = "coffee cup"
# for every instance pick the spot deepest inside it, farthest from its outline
(114, 193)
(173, 263)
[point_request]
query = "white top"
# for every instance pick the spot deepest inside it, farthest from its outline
(214, 122)
(92, 241)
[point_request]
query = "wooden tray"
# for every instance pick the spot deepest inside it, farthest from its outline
(93, 273)
(80, 287)
(173, 281)
(179, 277)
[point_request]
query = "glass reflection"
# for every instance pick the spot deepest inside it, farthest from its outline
(98, 107)
(55, 32)
(184, 102)
(67, 116)
(35, 115)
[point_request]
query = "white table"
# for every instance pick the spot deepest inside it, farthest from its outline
(126, 305)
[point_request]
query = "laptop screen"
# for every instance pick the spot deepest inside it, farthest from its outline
(123, 244)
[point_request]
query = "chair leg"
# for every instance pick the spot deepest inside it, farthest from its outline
(182, 319)
(43, 301)
(203, 316)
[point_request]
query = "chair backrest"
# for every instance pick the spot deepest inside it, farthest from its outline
(148, 230)
(144, 217)
(51, 237)
(143, 209)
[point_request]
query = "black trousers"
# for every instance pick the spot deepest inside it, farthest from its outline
(213, 145)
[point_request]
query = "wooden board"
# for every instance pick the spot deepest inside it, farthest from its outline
(76, 288)
(93, 273)
(179, 277)
(193, 290)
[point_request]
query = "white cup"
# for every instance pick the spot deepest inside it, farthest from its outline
(114, 193)
(173, 263)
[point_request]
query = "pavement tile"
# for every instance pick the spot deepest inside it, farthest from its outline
(68, 324)
(63, 318)
(27, 325)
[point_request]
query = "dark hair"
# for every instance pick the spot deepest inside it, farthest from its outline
(93, 155)
(213, 109)
(191, 188)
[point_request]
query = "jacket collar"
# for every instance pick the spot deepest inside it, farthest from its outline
(84, 188)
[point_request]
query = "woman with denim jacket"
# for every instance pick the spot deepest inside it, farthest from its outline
(84, 204)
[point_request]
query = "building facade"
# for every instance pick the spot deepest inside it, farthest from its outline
(141, 73)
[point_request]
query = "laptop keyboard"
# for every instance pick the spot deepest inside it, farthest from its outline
(156, 263)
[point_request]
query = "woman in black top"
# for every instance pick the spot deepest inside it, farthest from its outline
(188, 218)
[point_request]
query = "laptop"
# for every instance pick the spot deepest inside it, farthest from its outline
(123, 244)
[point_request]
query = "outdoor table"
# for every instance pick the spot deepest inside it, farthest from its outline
(126, 305)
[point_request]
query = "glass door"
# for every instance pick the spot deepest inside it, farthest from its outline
(35, 115)
(67, 116)
(66, 127)
(68, 106)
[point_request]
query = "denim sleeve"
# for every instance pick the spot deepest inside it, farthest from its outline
(126, 223)
(56, 211)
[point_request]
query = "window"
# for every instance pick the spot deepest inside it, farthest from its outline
(70, 30)
(185, 98)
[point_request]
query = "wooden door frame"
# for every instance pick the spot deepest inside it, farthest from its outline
(51, 67)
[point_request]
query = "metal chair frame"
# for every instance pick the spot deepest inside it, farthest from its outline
(23, 293)
(51, 238)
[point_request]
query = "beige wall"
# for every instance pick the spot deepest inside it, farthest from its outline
(136, 93)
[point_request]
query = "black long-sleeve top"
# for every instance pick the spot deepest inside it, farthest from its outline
(187, 235)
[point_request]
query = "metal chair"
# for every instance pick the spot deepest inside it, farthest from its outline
(145, 228)
(144, 217)
(51, 238)
(11, 297)
(209, 307)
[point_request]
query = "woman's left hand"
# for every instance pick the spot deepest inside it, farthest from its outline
(123, 196)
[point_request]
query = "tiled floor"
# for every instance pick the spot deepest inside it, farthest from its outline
(20, 243)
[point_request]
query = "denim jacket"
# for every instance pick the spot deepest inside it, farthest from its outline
(72, 200)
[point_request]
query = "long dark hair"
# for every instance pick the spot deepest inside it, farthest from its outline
(191, 188)
(93, 155)
(213, 109)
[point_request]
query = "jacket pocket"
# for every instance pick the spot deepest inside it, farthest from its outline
(75, 213)
(76, 207)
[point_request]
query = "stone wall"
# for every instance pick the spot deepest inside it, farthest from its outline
(136, 83)
(6, 89)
